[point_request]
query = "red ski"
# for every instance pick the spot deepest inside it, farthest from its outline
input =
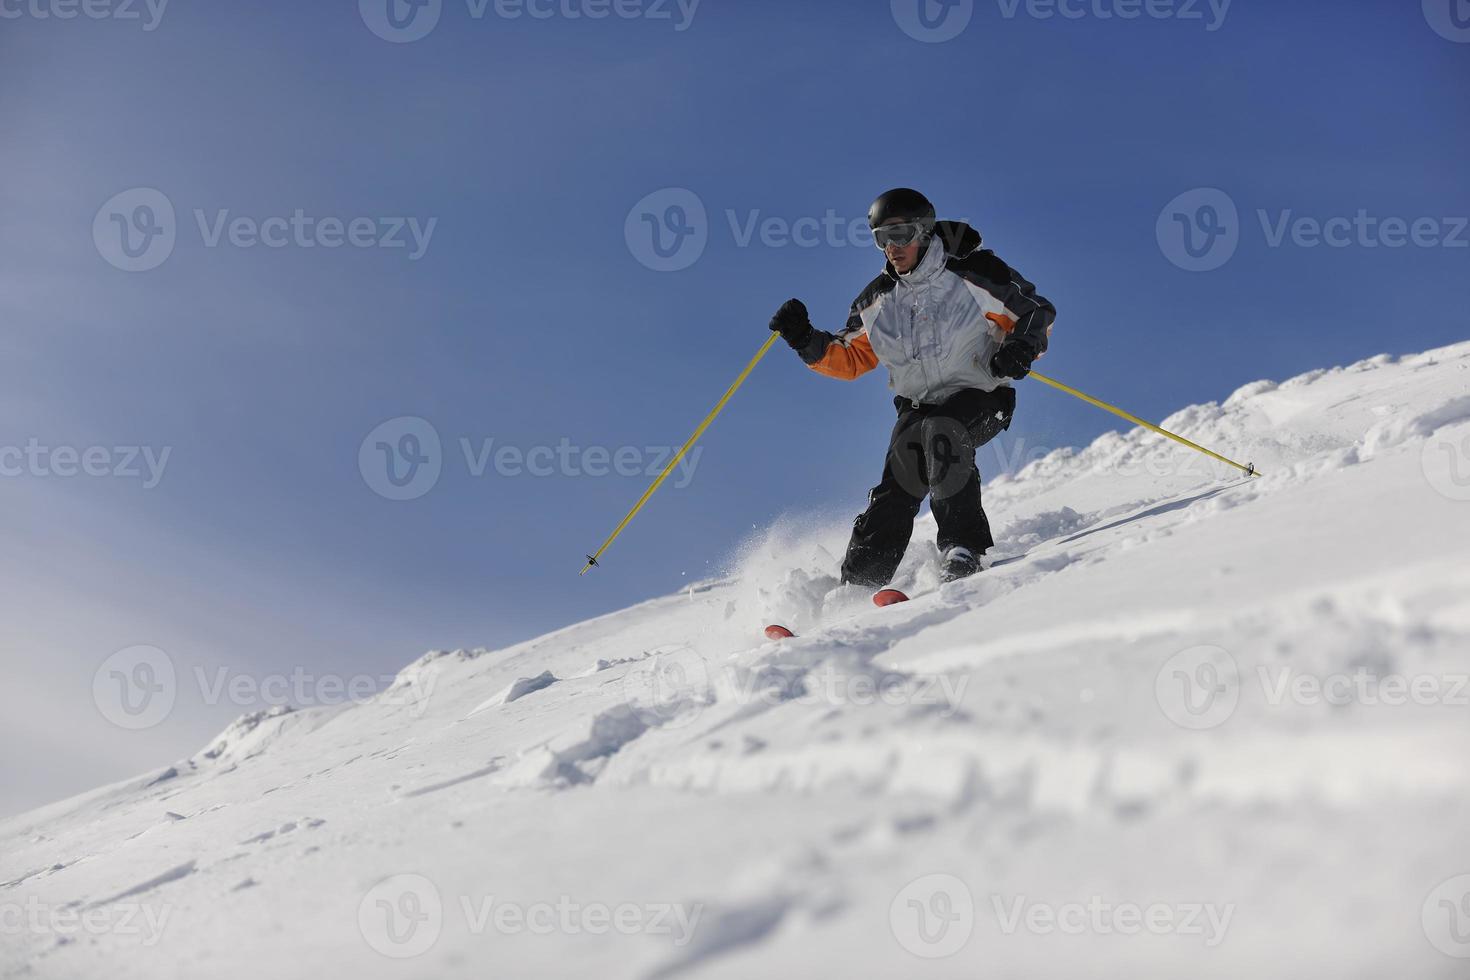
(887, 597)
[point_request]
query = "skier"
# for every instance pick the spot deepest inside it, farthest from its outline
(954, 326)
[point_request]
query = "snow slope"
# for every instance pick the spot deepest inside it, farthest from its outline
(1189, 724)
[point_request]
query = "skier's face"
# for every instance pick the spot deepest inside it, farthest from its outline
(903, 257)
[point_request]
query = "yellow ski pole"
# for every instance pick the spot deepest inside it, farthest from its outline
(1249, 468)
(719, 407)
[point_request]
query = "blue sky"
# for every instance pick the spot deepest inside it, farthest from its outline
(527, 313)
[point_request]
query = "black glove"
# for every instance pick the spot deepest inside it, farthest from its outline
(1013, 360)
(793, 324)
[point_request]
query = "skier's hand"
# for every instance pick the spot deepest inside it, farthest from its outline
(1013, 360)
(792, 323)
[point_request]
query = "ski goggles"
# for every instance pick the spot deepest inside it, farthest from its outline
(902, 235)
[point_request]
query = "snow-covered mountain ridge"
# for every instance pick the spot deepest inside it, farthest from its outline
(1188, 723)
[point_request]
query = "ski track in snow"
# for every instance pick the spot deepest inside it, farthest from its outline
(1013, 730)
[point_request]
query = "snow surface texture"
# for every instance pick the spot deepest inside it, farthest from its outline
(1187, 724)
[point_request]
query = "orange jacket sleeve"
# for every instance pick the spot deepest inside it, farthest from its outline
(847, 361)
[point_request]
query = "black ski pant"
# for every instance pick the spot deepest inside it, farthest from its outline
(931, 453)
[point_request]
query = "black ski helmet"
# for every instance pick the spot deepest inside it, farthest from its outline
(902, 202)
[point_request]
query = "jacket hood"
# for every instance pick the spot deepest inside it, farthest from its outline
(959, 238)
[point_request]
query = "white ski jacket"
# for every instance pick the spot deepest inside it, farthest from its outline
(936, 327)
